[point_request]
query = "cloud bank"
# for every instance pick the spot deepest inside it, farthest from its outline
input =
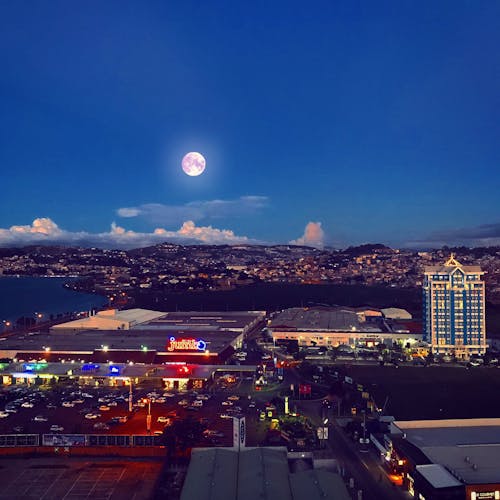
(484, 235)
(44, 231)
(313, 236)
(158, 213)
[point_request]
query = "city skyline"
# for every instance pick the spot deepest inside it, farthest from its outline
(331, 125)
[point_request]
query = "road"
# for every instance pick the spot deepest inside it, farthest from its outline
(358, 462)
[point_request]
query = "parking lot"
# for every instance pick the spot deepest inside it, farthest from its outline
(49, 479)
(72, 409)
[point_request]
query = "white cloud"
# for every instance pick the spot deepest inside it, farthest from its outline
(159, 213)
(313, 236)
(45, 231)
(128, 212)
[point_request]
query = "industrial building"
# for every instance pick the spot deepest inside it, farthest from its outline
(448, 459)
(252, 473)
(147, 337)
(331, 327)
(137, 319)
(110, 319)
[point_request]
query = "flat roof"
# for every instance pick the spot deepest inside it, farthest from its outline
(450, 431)
(147, 319)
(438, 476)
(321, 319)
(252, 473)
(469, 448)
(129, 316)
(121, 340)
(473, 464)
(215, 320)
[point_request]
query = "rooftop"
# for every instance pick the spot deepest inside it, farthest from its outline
(320, 319)
(468, 448)
(255, 473)
(139, 319)
(118, 340)
(438, 476)
(127, 317)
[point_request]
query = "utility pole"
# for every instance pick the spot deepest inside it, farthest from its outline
(130, 396)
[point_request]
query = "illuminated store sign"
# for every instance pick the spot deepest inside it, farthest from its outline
(90, 367)
(186, 344)
(33, 367)
(114, 370)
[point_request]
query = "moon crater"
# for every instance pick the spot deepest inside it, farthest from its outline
(193, 164)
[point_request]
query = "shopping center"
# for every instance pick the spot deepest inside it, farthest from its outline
(334, 326)
(181, 350)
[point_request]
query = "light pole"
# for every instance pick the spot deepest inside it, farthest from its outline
(130, 401)
(148, 416)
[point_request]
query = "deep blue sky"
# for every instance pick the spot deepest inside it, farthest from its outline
(381, 120)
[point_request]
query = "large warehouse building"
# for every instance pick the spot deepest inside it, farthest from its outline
(449, 459)
(138, 336)
(331, 327)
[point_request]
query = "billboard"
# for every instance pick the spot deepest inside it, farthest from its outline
(239, 432)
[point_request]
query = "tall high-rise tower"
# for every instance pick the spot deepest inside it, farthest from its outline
(454, 312)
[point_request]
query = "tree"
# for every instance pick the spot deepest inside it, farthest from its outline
(182, 434)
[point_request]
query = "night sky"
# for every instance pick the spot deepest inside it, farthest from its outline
(324, 122)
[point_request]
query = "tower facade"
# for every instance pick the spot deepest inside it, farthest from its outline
(454, 312)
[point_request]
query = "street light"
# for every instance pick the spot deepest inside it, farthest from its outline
(148, 416)
(130, 399)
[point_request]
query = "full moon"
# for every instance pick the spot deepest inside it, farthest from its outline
(193, 164)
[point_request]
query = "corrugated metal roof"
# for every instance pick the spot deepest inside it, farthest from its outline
(255, 473)
(438, 476)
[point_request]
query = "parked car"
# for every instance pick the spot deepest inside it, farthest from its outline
(101, 426)
(213, 433)
(163, 419)
(4, 414)
(40, 418)
(56, 428)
